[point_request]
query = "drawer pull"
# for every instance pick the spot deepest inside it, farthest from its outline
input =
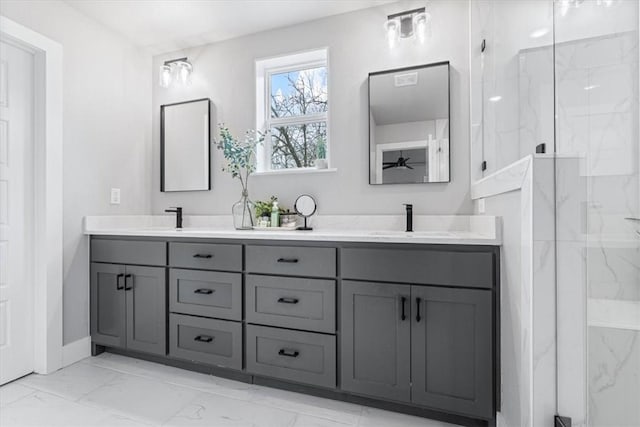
(126, 281)
(289, 353)
(285, 300)
(288, 260)
(204, 256)
(203, 291)
(418, 318)
(404, 315)
(118, 286)
(203, 338)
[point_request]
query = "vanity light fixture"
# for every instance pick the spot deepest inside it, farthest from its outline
(181, 68)
(407, 25)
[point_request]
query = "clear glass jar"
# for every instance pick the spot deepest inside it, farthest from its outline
(242, 212)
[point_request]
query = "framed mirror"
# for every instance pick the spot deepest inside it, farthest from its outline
(185, 147)
(409, 125)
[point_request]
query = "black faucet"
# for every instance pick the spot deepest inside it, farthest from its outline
(178, 212)
(409, 216)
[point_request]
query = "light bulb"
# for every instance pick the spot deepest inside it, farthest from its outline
(420, 23)
(165, 75)
(184, 72)
(392, 27)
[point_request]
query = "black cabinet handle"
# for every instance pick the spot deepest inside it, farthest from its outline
(418, 318)
(119, 287)
(126, 281)
(203, 338)
(288, 260)
(203, 291)
(285, 300)
(404, 302)
(205, 256)
(289, 353)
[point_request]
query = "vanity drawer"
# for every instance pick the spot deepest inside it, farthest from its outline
(291, 260)
(291, 302)
(206, 256)
(129, 252)
(303, 357)
(419, 266)
(210, 341)
(206, 293)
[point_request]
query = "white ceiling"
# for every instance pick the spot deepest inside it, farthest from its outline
(427, 100)
(168, 25)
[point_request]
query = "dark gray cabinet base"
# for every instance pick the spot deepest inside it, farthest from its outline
(394, 326)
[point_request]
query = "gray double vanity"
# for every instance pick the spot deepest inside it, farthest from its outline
(386, 321)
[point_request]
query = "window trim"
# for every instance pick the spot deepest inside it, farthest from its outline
(265, 69)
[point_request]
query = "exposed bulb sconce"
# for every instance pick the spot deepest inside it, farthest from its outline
(179, 68)
(406, 25)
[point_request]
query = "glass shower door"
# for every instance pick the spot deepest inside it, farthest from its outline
(597, 206)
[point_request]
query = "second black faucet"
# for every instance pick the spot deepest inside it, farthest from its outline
(409, 208)
(178, 211)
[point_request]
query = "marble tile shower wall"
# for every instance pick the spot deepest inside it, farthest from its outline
(598, 259)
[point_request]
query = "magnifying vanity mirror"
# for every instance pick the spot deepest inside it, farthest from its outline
(305, 206)
(409, 125)
(185, 157)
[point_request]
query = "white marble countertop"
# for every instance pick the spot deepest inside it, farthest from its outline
(440, 229)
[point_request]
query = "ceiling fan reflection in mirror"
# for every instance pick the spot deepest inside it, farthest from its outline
(401, 163)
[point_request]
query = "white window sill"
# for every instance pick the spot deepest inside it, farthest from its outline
(295, 171)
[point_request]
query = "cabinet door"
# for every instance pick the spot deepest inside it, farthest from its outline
(451, 350)
(375, 351)
(108, 317)
(146, 309)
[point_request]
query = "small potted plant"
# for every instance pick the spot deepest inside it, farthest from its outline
(321, 160)
(240, 156)
(263, 211)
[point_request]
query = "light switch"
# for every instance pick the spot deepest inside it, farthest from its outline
(481, 207)
(115, 196)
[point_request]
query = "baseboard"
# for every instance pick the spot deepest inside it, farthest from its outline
(76, 351)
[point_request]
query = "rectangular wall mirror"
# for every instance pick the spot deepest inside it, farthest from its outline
(185, 156)
(409, 125)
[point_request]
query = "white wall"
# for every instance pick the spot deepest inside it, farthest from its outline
(512, 399)
(224, 72)
(106, 121)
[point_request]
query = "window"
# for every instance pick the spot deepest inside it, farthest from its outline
(292, 109)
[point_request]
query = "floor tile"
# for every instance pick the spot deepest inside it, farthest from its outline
(13, 391)
(140, 398)
(72, 382)
(45, 409)
(215, 410)
(113, 391)
(372, 417)
(309, 421)
(172, 375)
(335, 410)
(117, 420)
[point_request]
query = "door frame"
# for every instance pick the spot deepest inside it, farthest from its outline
(48, 261)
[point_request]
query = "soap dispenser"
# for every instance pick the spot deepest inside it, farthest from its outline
(275, 215)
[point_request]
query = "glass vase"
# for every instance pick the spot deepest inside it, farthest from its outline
(242, 212)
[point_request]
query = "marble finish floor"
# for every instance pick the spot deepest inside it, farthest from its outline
(113, 390)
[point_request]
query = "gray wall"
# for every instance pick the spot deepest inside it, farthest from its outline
(106, 125)
(225, 72)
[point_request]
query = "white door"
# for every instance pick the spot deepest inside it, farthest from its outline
(16, 212)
